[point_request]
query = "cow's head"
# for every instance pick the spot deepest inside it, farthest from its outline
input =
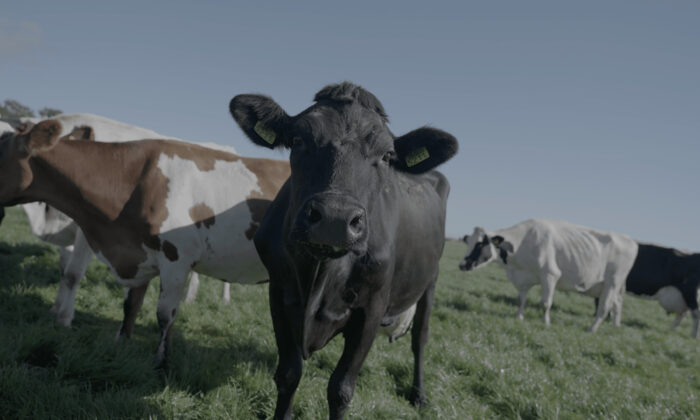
(482, 249)
(15, 151)
(342, 157)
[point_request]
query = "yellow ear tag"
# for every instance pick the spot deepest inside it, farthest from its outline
(265, 133)
(417, 156)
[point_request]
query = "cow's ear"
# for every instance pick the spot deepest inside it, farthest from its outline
(84, 132)
(262, 120)
(43, 136)
(501, 243)
(423, 149)
(465, 238)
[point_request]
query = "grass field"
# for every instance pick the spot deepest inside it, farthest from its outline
(481, 362)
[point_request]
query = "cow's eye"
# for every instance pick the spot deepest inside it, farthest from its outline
(388, 156)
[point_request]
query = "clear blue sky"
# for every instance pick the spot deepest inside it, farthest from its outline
(581, 111)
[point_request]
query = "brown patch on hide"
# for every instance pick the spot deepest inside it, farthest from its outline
(271, 175)
(201, 214)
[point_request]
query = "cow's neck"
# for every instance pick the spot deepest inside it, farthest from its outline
(85, 180)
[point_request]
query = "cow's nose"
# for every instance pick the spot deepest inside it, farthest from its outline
(335, 223)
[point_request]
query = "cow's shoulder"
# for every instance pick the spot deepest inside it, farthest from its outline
(439, 182)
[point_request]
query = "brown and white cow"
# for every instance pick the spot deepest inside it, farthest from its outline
(52, 226)
(148, 208)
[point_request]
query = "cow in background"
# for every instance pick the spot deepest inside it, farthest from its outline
(352, 241)
(558, 255)
(148, 208)
(670, 276)
(54, 227)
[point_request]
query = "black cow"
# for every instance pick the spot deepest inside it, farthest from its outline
(669, 275)
(353, 239)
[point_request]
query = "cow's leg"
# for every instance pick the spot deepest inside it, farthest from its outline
(192, 288)
(226, 294)
(522, 299)
(523, 282)
(607, 300)
(64, 255)
(611, 296)
(677, 321)
(596, 303)
(549, 282)
(172, 287)
(617, 308)
(696, 320)
(419, 337)
(358, 341)
(289, 366)
(133, 299)
(74, 271)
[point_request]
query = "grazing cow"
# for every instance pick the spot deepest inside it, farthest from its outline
(670, 276)
(353, 239)
(56, 228)
(148, 208)
(558, 255)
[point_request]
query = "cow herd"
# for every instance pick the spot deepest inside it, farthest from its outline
(604, 265)
(349, 231)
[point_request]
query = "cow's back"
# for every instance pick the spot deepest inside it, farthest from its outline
(583, 256)
(656, 267)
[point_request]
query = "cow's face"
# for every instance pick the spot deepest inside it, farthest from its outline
(482, 249)
(342, 158)
(15, 151)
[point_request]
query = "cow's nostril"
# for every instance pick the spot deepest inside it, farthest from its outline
(355, 222)
(314, 216)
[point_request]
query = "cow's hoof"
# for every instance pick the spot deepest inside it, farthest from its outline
(418, 399)
(160, 363)
(64, 321)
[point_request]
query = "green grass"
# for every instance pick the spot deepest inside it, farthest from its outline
(481, 361)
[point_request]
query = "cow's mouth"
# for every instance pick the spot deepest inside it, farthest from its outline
(322, 251)
(466, 266)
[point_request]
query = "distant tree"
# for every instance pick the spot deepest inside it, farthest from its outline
(12, 109)
(47, 112)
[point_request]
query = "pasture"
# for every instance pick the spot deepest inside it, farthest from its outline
(481, 362)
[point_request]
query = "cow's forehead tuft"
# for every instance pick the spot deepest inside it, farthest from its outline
(347, 122)
(348, 93)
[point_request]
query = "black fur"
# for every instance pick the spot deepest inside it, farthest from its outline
(348, 92)
(351, 240)
(656, 267)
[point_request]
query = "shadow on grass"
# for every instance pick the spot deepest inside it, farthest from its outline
(635, 323)
(84, 368)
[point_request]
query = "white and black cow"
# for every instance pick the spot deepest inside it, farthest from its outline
(670, 276)
(148, 208)
(353, 239)
(557, 255)
(55, 227)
